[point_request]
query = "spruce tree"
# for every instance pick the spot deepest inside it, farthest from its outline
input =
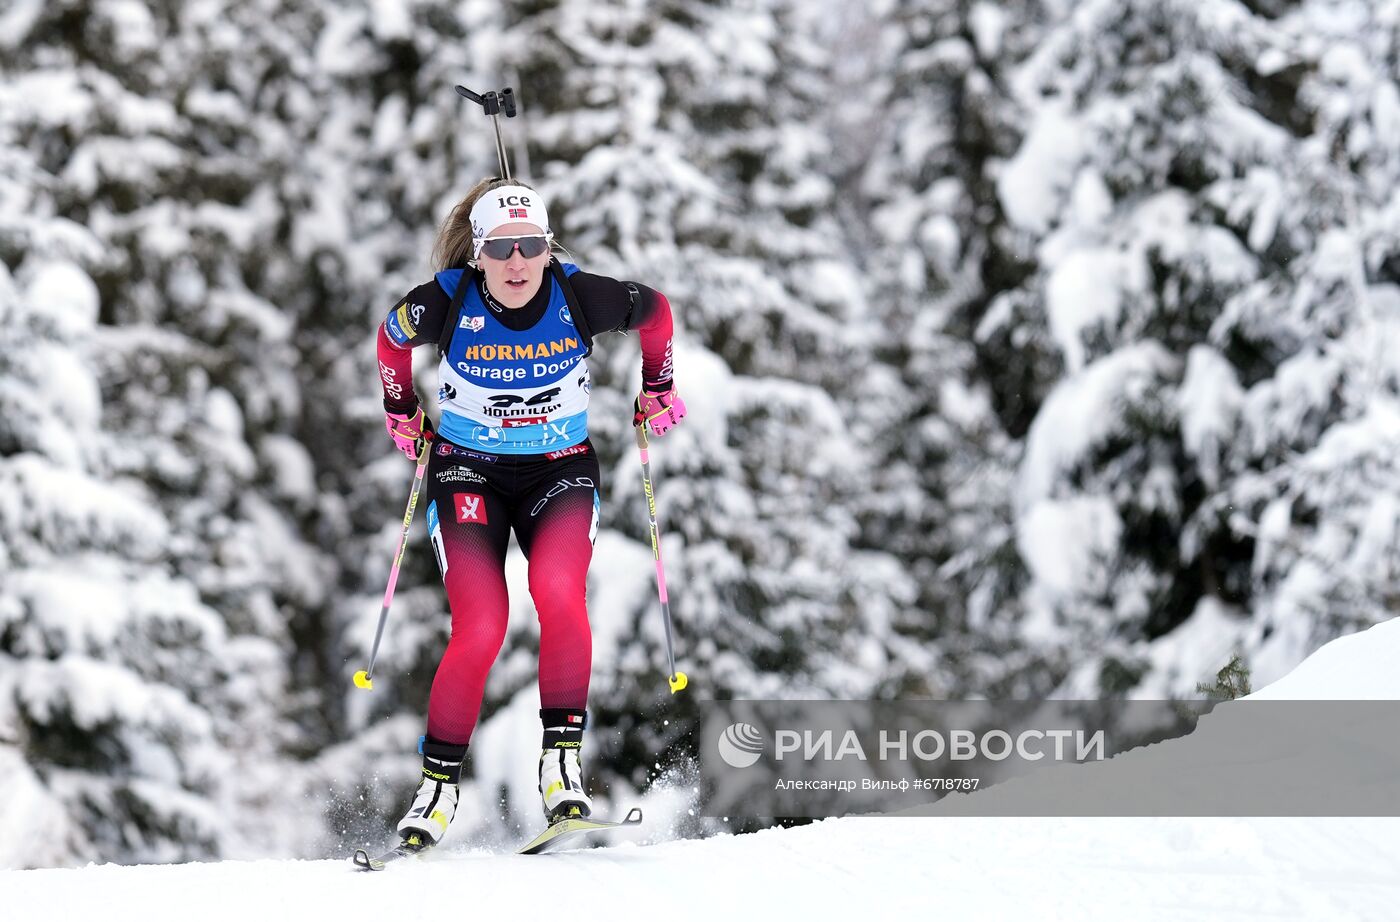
(927, 113)
(1194, 189)
(149, 386)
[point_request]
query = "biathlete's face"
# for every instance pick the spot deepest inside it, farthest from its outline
(514, 279)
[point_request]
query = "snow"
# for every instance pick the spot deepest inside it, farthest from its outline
(1034, 183)
(133, 27)
(1377, 429)
(292, 470)
(1385, 109)
(339, 47)
(1284, 403)
(391, 19)
(1066, 542)
(988, 23)
(65, 386)
(120, 159)
(1091, 203)
(1083, 410)
(1209, 401)
(74, 504)
(96, 692)
(832, 283)
(1264, 188)
(71, 606)
(1355, 667)
(26, 803)
(16, 21)
(1085, 290)
(970, 869)
(50, 97)
(940, 239)
(973, 867)
(64, 295)
(1199, 647)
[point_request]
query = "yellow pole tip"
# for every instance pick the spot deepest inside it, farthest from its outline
(678, 681)
(362, 680)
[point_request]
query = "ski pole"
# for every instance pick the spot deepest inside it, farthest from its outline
(363, 677)
(677, 680)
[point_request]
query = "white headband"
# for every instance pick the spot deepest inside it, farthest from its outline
(507, 205)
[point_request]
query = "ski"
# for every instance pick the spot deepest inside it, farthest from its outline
(556, 835)
(572, 827)
(413, 845)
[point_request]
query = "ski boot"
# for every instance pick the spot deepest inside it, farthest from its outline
(561, 776)
(435, 802)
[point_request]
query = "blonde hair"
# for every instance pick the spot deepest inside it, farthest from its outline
(453, 249)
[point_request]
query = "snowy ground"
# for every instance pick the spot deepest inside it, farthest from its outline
(961, 868)
(943, 867)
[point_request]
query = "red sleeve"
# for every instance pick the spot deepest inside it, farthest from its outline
(655, 333)
(396, 374)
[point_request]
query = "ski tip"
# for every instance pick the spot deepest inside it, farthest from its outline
(362, 860)
(633, 817)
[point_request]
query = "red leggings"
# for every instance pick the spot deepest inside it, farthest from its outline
(475, 500)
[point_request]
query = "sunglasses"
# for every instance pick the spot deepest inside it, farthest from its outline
(530, 246)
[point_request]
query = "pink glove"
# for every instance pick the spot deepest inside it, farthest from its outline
(408, 430)
(659, 409)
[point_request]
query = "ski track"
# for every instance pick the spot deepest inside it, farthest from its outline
(970, 867)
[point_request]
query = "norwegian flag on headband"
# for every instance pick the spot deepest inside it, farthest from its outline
(519, 213)
(574, 719)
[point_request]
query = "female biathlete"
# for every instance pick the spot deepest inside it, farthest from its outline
(512, 451)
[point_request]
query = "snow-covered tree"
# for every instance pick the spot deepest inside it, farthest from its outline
(923, 113)
(1201, 193)
(153, 554)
